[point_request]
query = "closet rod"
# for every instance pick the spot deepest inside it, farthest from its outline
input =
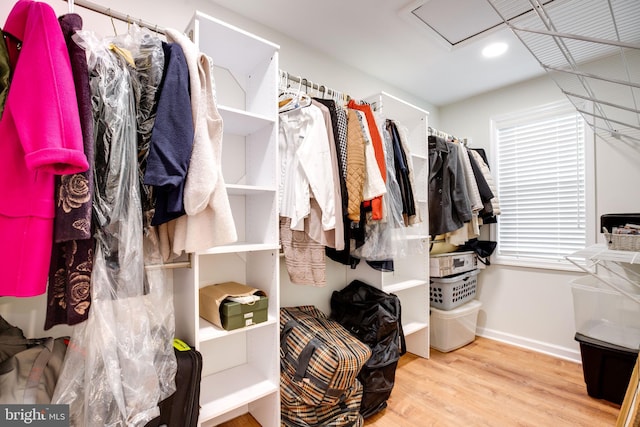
(170, 265)
(436, 132)
(116, 15)
(309, 84)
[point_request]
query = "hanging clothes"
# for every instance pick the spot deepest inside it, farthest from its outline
(305, 167)
(356, 170)
(404, 141)
(333, 238)
(148, 57)
(469, 230)
(385, 239)
(374, 184)
(309, 196)
(114, 371)
(5, 74)
(489, 193)
(171, 138)
(449, 206)
(402, 168)
(208, 221)
(69, 291)
(376, 140)
(41, 137)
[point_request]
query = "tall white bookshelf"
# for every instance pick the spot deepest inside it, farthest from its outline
(240, 367)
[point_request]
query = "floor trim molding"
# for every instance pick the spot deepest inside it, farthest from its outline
(539, 346)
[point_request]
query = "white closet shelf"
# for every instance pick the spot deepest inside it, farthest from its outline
(247, 190)
(413, 327)
(233, 388)
(241, 122)
(241, 247)
(208, 331)
(401, 285)
(237, 49)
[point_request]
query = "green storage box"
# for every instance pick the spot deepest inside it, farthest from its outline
(237, 315)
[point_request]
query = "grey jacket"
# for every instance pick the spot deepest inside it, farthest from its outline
(449, 206)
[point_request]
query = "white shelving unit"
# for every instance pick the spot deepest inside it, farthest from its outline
(241, 367)
(410, 278)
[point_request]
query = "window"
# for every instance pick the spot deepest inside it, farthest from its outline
(541, 159)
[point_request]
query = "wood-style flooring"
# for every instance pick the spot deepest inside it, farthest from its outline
(487, 383)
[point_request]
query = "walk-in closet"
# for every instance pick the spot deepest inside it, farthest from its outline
(363, 213)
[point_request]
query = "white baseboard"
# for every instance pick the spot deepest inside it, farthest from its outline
(539, 346)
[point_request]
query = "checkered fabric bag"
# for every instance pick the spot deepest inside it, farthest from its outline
(319, 356)
(345, 413)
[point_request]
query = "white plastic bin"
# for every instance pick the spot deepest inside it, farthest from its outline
(452, 329)
(604, 314)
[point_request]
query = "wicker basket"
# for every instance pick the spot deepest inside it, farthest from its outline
(623, 242)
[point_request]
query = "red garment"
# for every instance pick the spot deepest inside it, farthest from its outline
(40, 134)
(376, 139)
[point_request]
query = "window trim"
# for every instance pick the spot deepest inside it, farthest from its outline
(519, 117)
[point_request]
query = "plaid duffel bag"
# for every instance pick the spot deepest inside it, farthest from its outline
(345, 413)
(319, 355)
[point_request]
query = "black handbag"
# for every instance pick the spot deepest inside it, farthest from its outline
(482, 248)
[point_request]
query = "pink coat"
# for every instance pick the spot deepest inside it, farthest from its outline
(39, 137)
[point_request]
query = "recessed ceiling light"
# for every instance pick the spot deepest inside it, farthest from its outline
(494, 49)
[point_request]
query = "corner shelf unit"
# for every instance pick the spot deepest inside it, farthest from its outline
(241, 370)
(410, 278)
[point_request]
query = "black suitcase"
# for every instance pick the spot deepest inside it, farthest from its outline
(182, 408)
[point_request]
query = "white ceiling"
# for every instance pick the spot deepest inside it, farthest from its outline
(383, 39)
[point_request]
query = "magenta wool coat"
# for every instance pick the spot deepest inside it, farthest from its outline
(39, 137)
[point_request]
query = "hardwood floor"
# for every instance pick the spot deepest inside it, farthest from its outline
(487, 383)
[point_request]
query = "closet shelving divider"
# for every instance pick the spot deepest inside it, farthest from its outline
(240, 367)
(410, 278)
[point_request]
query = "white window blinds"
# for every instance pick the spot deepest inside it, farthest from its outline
(540, 164)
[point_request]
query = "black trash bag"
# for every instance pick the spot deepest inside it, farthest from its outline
(374, 317)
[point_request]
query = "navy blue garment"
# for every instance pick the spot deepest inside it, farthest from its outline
(171, 138)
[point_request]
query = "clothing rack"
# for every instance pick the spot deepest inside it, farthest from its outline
(308, 86)
(157, 29)
(441, 134)
(114, 14)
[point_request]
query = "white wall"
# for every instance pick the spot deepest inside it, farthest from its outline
(534, 307)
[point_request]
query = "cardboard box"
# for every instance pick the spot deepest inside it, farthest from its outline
(212, 297)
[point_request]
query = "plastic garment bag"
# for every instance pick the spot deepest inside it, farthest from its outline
(116, 364)
(385, 239)
(148, 56)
